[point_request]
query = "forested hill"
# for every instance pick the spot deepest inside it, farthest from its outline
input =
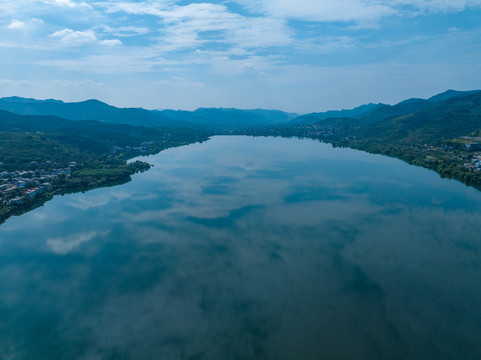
(41, 156)
(442, 117)
(452, 118)
(334, 114)
(437, 138)
(435, 133)
(370, 113)
(92, 136)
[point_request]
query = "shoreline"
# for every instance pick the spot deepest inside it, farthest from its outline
(84, 179)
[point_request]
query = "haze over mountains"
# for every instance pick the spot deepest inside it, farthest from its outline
(211, 118)
(220, 120)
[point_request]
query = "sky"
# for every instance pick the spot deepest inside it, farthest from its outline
(294, 55)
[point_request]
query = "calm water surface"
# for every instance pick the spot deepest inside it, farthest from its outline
(249, 248)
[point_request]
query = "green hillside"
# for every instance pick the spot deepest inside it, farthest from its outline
(447, 120)
(432, 138)
(46, 155)
(431, 133)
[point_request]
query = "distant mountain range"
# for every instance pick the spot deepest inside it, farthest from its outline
(85, 110)
(218, 119)
(222, 120)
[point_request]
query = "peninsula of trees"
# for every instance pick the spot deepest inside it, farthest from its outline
(42, 156)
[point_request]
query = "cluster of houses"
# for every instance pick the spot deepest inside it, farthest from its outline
(16, 186)
(475, 164)
(143, 148)
(319, 130)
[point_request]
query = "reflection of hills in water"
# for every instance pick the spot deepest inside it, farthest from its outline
(304, 252)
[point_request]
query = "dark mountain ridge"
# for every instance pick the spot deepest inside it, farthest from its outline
(449, 94)
(454, 117)
(411, 106)
(370, 113)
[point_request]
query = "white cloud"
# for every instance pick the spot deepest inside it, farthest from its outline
(357, 11)
(321, 10)
(136, 61)
(274, 33)
(194, 25)
(124, 31)
(327, 44)
(37, 6)
(136, 8)
(12, 83)
(16, 24)
(71, 37)
(434, 6)
(112, 42)
(21, 25)
(199, 26)
(67, 3)
(56, 89)
(234, 63)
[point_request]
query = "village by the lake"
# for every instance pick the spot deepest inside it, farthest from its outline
(20, 185)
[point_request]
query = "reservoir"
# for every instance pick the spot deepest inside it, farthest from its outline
(249, 248)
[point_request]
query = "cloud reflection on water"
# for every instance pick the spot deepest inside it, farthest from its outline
(62, 246)
(298, 251)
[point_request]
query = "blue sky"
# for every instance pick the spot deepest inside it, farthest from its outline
(294, 55)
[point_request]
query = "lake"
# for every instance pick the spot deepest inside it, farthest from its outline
(249, 248)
